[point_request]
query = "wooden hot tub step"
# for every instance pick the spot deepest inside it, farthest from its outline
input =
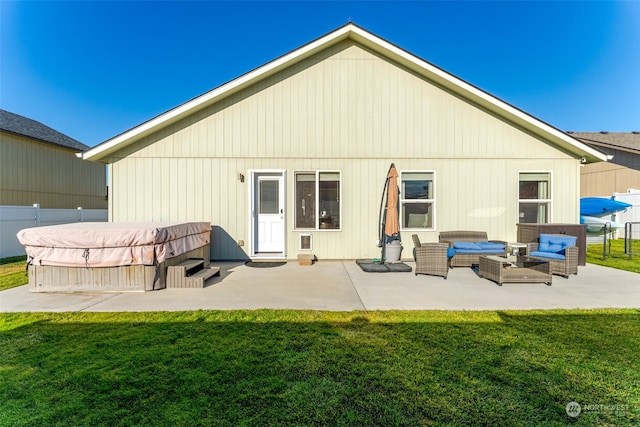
(198, 280)
(190, 274)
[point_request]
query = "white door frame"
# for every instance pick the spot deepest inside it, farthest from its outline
(253, 214)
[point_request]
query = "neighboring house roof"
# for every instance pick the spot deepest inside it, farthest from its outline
(624, 141)
(19, 125)
(400, 56)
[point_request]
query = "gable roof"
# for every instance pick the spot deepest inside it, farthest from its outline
(624, 141)
(400, 56)
(19, 125)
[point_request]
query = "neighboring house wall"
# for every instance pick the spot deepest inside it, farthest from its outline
(345, 109)
(38, 172)
(605, 179)
(619, 174)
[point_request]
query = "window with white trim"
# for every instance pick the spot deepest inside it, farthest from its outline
(317, 200)
(534, 197)
(417, 199)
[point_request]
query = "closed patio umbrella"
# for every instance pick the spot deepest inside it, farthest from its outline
(390, 222)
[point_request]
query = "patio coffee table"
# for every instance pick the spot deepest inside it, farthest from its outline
(522, 269)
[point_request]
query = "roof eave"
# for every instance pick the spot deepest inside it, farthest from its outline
(608, 145)
(42, 141)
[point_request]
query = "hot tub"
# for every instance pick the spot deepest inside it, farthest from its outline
(110, 256)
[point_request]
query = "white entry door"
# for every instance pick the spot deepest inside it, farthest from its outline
(268, 209)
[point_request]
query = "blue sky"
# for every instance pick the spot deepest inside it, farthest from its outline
(95, 69)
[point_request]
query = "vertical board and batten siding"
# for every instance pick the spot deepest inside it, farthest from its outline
(345, 109)
(36, 172)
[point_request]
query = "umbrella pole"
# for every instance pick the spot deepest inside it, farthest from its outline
(383, 220)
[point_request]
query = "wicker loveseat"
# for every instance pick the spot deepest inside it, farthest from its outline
(469, 245)
(559, 249)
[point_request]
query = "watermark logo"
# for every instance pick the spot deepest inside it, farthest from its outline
(573, 409)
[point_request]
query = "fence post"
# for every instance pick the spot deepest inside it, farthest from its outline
(79, 213)
(628, 237)
(36, 206)
(606, 230)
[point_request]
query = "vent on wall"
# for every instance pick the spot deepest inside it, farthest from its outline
(306, 242)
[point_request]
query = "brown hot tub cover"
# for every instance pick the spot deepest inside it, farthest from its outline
(109, 244)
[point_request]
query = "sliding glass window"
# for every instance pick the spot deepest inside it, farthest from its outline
(317, 200)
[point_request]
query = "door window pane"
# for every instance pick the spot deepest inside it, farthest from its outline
(269, 202)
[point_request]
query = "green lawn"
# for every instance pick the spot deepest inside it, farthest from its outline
(317, 368)
(616, 258)
(13, 272)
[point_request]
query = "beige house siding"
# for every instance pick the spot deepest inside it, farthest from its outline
(35, 172)
(345, 109)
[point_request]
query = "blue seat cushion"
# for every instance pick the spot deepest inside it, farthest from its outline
(466, 245)
(551, 255)
(477, 251)
(555, 244)
(491, 246)
(478, 247)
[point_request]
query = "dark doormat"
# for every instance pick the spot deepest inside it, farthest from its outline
(371, 266)
(258, 264)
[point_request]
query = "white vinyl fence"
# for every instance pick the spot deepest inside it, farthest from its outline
(632, 196)
(15, 218)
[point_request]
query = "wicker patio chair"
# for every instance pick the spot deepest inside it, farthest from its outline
(564, 267)
(431, 258)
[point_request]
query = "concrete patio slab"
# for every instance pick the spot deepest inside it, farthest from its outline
(343, 286)
(593, 287)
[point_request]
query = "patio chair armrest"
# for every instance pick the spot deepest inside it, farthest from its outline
(502, 242)
(499, 241)
(571, 249)
(449, 243)
(571, 255)
(431, 249)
